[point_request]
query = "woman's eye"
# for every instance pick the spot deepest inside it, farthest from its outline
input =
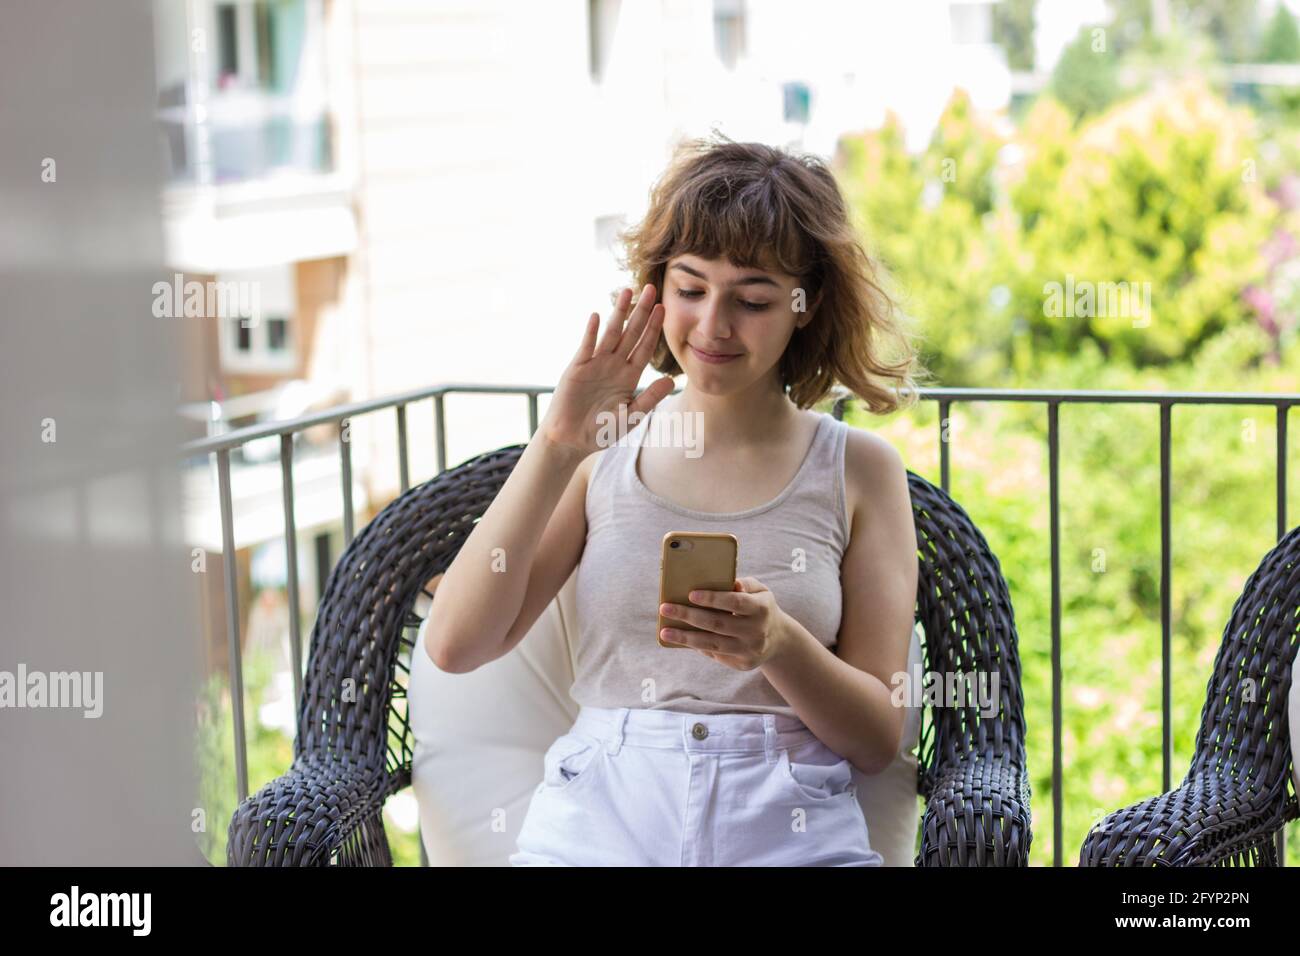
(751, 306)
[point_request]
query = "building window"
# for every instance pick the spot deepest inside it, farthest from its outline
(798, 100)
(253, 40)
(277, 331)
(729, 31)
(260, 343)
(227, 43)
(260, 77)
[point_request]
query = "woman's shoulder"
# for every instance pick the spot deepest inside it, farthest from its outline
(871, 465)
(587, 467)
(596, 467)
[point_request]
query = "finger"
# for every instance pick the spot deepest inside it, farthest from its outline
(588, 339)
(703, 641)
(733, 602)
(652, 395)
(645, 308)
(674, 636)
(715, 622)
(614, 326)
(612, 333)
(694, 643)
(623, 337)
(645, 346)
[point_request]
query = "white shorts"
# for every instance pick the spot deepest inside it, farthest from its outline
(636, 787)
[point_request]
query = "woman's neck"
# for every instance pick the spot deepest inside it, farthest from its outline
(749, 418)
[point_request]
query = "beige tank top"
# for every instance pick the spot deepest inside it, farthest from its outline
(793, 544)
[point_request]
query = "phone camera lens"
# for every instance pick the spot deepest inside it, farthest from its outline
(675, 544)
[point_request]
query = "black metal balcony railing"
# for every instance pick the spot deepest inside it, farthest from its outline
(222, 445)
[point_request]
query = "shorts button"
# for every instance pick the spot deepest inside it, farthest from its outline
(699, 731)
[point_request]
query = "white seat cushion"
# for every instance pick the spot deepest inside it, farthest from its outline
(480, 738)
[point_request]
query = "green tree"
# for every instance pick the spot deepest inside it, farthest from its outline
(1231, 24)
(1281, 40)
(1086, 77)
(1013, 31)
(933, 221)
(1154, 194)
(1138, 231)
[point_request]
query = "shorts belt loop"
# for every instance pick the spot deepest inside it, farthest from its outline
(615, 743)
(769, 737)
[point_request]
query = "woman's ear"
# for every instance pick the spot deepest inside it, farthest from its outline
(812, 309)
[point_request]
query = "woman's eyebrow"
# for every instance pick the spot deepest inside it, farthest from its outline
(744, 280)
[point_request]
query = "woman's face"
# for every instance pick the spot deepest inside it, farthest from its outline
(745, 315)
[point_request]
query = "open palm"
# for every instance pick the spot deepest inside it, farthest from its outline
(602, 377)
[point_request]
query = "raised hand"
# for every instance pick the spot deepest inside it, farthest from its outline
(602, 377)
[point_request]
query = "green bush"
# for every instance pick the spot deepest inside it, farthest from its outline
(1166, 189)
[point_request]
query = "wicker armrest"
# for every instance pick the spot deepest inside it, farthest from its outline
(1209, 818)
(308, 814)
(977, 813)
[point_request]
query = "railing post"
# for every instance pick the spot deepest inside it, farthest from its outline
(403, 465)
(1282, 410)
(1166, 576)
(1054, 506)
(232, 623)
(945, 437)
(441, 433)
(291, 566)
(345, 461)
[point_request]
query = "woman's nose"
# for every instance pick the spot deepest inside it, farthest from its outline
(713, 323)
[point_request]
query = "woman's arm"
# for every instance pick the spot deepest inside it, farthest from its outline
(476, 612)
(844, 696)
(480, 597)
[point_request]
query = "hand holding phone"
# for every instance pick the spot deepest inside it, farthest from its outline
(693, 561)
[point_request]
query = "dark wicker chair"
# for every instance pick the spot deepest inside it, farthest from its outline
(354, 743)
(972, 769)
(1238, 792)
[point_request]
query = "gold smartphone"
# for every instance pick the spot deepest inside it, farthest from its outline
(693, 561)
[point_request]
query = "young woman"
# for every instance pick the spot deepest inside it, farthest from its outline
(738, 747)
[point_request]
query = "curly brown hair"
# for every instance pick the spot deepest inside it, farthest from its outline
(759, 206)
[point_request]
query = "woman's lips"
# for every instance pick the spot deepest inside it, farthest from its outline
(711, 357)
